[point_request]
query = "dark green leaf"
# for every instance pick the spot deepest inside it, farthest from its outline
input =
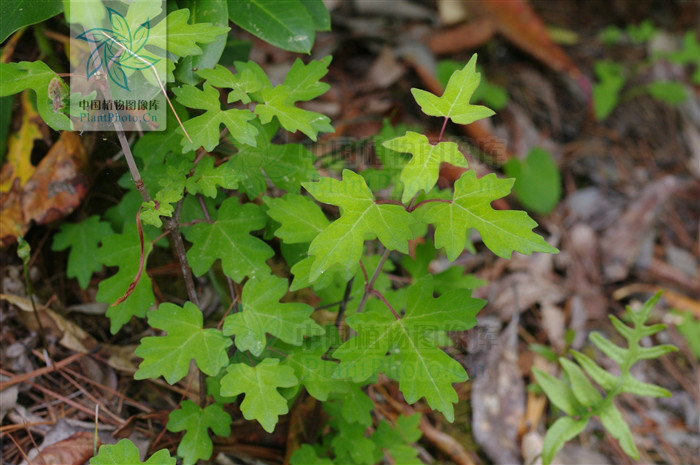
(284, 24)
(17, 14)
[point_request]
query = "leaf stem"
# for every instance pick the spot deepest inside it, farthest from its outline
(413, 207)
(442, 131)
(381, 297)
(370, 284)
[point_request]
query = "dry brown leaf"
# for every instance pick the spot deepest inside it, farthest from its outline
(53, 190)
(58, 184)
(72, 451)
(620, 244)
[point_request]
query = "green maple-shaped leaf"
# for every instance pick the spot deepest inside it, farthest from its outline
(360, 219)
(37, 76)
(423, 370)
(278, 102)
(396, 440)
(228, 239)
(170, 355)
(246, 82)
(313, 371)
(204, 129)
(196, 443)
(263, 313)
(259, 384)
(123, 250)
(454, 102)
(126, 453)
(207, 179)
(503, 231)
(301, 219)
(82, 238)
(286, 165)
(180, 38)
(422, 171)
(304, 80)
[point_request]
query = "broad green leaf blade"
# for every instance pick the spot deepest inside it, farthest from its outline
(606, 380)
(422, 171)
(277, 102)
(606, 92)
(617, 427)
(263, 313)
(195, 421)
(170, 355)
(311, 368)
(228, 239)
(204, 129)
(37, 76)
(423, 370)
(20, 13)
(301, 219)
(454, 102)
(502, 231)
(584, 391)
(285, 24)
(285, 165)
(123, 250)
(558, 392)
(180, 38)
(564, 429)
(673, 93)
(126, 453)
(361, 219)
(319, 13)
(537, 180)
(82, 238)
(304, 80)
(244, 83)
(259, 384)
(396, 440)
(356, 406)
(207, 179)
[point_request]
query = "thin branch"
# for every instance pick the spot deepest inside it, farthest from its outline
(344, 303)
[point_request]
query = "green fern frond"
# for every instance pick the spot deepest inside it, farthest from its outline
(580, 400)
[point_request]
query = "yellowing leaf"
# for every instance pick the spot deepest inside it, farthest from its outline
(18, 164)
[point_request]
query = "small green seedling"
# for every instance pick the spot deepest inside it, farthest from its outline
(580, 400)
